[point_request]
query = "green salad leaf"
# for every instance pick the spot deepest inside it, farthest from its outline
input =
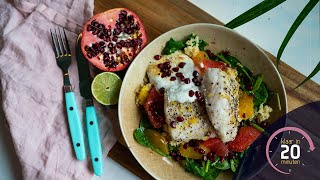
(261, 95)
(257, 83)
(172, 46)
(140, 137)
(202, 44)
(222, 165)
(144, 123)
(243, 71)
(234, 164)
(196, 168)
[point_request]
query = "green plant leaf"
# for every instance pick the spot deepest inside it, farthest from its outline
(141, 138)
(303, 14)
(257, 83)
(314, 72)
(254, 12)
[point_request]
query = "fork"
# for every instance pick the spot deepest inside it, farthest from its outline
(63, 57)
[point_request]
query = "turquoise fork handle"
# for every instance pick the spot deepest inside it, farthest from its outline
(75, 126)
(94, 140)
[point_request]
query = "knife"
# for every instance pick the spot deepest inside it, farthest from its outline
(91, 116)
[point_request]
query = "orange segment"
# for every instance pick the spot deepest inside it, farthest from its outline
(246, 110)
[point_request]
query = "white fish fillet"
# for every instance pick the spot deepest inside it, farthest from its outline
(221, 93)
(196, 124)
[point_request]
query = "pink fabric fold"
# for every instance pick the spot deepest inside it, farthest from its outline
(31, 86)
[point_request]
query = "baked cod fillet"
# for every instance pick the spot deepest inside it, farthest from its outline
(196, 124)
(221, 94)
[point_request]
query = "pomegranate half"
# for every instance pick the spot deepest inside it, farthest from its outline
(111, 40)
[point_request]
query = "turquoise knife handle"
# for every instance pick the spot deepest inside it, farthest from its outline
(75, 126)
(94, 140)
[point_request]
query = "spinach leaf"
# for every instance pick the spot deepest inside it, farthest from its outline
(144, 123)
(202, 44)
(233, 165)
(140, 137)
(172, 46)
(260, 96)
(222, 165)
(194, 167)
(257, 83)
(243, 71)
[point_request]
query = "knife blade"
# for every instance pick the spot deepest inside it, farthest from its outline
(91, 116)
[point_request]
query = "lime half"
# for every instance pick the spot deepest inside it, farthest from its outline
(105, 88)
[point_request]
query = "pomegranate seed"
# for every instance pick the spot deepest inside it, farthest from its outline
(194, 80)
(244, 115)
(185, 146)
(110, 45)
(210, 154)
(201, 151)
(109, 32)
(172, 153)
(102, 50)
(160, 66)
(129, 31)
(161, 90)
(222, 159)
(226, 53)
(191, 93)
(187, 81)
(249, 87)
(180, 119)
(182, 78)
(204, 158)
(86, 48)
(213, 159)
(175, 69)
(163, 75)
(196, 148)
(166, 65)
(89, 28)
(182, 64)
(102, 43)
(179, 74)
(198, 95)
(119, 45)
(89, 55)
(113, 50)
(173, 124)
(115, 38)
(95, 32)
(195, 73)
(230, 155)
(173, 78)
(123, 12)
(157, 57)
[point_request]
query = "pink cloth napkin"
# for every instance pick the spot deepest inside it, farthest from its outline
(31, 85)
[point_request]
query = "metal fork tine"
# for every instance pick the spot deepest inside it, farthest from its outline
(56, 51)
(63, 45)
(59, 42)
(67, 44)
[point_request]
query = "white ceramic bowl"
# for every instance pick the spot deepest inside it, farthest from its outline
(219, 38)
